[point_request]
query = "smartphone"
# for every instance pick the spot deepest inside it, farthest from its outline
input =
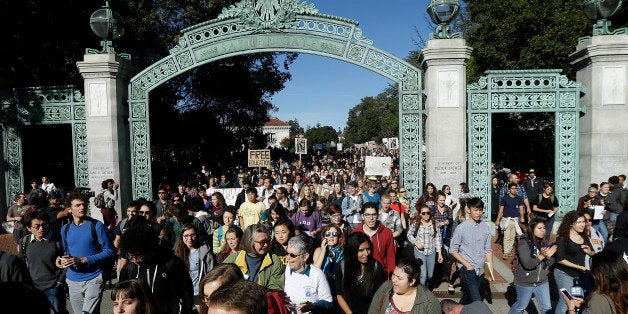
(566, 293)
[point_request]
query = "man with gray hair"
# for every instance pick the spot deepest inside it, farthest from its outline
(305, 285)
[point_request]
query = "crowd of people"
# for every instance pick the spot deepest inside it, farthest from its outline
(321, 237)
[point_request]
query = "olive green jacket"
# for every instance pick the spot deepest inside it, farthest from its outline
(271, 272)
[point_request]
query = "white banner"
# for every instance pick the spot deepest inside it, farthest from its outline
(232, 194)
(377, 166)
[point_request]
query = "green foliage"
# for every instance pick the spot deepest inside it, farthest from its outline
(374, 118)
(524, 34)
(208, 114)
(321, 135)
(295, 128)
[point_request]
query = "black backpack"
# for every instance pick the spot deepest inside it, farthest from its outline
(108, 265)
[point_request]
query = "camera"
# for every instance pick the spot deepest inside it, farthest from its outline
(85, 191)
(332, 255)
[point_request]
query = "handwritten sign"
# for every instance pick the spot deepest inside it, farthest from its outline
(377, 166)
(259, 158)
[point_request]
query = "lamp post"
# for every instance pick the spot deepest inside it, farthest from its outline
(442, 12)
(107, 25)
(601, 10)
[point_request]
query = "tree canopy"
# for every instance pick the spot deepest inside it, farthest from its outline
(374, 118)
(321, 135)
(210, 114)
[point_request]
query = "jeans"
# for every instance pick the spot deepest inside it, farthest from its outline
(56, 297)
(524, 294)
(427, 267)
(85, 296)
(549, 224)
(562, 281)
(470, 286)
(600, 226)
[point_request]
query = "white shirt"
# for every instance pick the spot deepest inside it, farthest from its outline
(302, 287)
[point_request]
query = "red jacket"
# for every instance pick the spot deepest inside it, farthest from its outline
(383, 246)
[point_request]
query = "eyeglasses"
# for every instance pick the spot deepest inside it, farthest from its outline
(425, 213)
(331, 234)
(161, 192)
(189, 235)
(587, 220)
(263, 242)
(144, 212)
(294, 255)
(404, 191)
(39, 226)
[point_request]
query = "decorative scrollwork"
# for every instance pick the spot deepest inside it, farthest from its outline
(81, 173)
(267, 14)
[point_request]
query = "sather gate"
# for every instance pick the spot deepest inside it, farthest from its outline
(525, 91)
(43, 106)
(252, 26)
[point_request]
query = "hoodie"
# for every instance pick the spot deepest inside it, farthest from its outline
(383, 246)
(168, 279)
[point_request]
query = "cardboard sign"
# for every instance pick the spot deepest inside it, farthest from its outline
(300, 146)
(259, 158)
(377, 166)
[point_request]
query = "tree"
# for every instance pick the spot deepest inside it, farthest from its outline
(295, 128)
(209, 114)
(374, 118)
(321, 135)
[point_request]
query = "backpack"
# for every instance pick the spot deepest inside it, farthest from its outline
(108, 265)
(99, 200)
(538, 202)
(277, 303)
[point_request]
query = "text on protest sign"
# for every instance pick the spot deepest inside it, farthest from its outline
(259, 158)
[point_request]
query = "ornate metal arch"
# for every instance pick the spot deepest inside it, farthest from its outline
(43, 105)
(525, 91)
(252, 26)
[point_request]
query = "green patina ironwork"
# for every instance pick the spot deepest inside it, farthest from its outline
(37, 106)
(525, 91)
(277, 26)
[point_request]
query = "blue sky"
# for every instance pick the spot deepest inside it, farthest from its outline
(322, 90)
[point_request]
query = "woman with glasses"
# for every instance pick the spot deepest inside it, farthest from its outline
(425, 237)
(358, 276)
(336, 217)
(573, 246)
(330, 252)
(255, 261)
(196, 256)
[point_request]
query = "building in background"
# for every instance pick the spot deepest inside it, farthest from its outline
(276, 131)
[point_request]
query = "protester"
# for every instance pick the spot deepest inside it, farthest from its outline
(358, 276)
(133, 297)
(329, 255)
(305, 285)
(307, 220)
(228, 219)
(217, 277)
(163, 272)
(531, 276)
(425, 237)
(255, 261)
(381, 237)
(610, 273)
(196, 255)
(573, 247)
(403, 293)
(242, 296)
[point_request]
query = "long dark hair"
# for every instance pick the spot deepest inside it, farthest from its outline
(182, 251)
(434, 190)
(417, 220)
(532, 238)
(353, 269)
(569, 219)
(611, 277)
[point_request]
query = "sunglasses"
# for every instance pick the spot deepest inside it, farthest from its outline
(144, 212)
(293, 255)
(331, 234)
(404, 191)
(425, 213)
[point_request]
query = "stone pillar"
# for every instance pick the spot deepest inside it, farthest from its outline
(106, 79)
(601, 63)
(444, 62)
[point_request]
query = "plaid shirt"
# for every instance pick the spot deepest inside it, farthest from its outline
(446, 215)
(425, 235)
